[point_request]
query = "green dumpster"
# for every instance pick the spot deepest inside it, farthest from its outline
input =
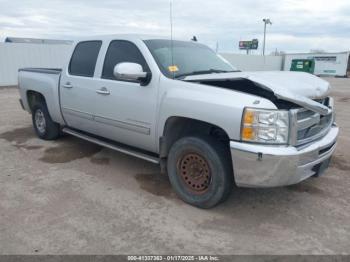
(303, 65)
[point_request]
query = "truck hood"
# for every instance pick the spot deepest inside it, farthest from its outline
(297, 87)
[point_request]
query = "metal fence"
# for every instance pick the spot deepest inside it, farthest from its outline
(254, 62)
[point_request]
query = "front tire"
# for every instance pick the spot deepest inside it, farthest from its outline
(200, 171)
(44, 127)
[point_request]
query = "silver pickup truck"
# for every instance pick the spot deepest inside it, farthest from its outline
(180, 105)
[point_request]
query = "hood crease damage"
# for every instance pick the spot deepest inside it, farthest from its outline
(284, 89)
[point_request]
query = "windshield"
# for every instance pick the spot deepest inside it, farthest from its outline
(189, 58)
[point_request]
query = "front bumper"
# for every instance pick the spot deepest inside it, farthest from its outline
(271, 166)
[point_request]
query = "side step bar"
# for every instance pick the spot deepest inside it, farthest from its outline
(112, 146)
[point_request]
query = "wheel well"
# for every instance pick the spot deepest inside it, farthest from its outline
(34, 98)
(178, 127)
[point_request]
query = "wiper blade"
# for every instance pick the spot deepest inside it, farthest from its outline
(202, 72)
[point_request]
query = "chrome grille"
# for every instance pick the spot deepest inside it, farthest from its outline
(307, 126)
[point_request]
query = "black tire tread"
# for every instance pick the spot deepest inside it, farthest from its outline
(224, 161)
(53, 130)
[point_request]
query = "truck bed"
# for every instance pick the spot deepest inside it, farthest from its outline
(44, 81)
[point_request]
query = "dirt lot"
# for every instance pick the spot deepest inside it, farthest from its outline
(73, 197)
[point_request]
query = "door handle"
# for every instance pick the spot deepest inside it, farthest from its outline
(68, 85)
(103, 91)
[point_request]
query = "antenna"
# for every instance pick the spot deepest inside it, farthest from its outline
(171, 36)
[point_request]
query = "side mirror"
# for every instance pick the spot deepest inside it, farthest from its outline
(131, 72)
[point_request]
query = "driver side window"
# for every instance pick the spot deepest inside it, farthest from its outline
(120, 51)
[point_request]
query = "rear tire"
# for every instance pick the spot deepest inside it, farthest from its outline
(44, 127)
(200, 171)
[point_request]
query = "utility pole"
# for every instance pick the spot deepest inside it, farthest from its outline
(266, 22)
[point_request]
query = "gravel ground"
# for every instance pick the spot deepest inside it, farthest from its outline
(73, 197)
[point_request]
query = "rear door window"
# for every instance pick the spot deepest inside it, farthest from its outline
(84, 58)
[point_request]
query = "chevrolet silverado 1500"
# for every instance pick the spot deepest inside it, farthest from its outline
(180, 105)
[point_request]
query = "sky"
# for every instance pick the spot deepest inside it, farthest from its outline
(298, 25)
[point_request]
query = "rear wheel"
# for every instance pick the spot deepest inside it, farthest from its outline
(44, 127)
(200, 171)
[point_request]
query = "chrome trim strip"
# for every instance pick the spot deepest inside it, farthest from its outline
(108, 121)
(123, 125)
(310, 121)
(77, 113)
(293, 128)
(140, 155)
(53, 71)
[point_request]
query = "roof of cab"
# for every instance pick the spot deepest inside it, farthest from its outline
(120, 36)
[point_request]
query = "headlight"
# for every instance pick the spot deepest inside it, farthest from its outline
(265, 126)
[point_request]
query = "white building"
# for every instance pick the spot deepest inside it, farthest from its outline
(326, 64)
(16, 53)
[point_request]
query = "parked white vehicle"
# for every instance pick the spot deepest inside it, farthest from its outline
(180, 105)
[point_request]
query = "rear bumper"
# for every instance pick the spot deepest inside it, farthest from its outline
(272, 166)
